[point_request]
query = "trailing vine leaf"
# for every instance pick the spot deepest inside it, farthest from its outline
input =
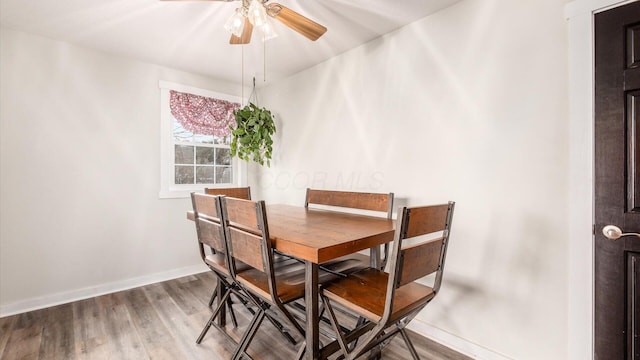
(251, 138)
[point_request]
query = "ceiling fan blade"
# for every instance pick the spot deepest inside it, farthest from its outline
(295, 21)
(245, 38)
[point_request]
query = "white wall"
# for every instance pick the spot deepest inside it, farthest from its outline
(79, 210)
(471, 105)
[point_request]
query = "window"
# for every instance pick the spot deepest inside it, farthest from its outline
(195, 140)
(200, 159)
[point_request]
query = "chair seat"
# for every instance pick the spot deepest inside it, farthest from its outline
(290, 280)
(289, 277)
(365, 293)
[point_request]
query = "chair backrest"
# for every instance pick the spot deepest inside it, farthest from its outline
(207, 216)
(412, 262)
(247, 235)
(382, 202)
(236, 192)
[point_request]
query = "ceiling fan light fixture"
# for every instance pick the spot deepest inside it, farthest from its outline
(268, 32)
(235, 23)
(257, 13)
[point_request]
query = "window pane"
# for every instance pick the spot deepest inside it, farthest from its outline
(204, 155)
(203, 139)
(225, 140)
(204, 174)
(223, 156)
(223, 175)
(184, 175)
(210, 139)
(180, 134)
(184, 154)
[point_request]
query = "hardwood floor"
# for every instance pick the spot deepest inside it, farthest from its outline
(158, 321)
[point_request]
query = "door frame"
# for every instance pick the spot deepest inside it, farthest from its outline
(580, 260)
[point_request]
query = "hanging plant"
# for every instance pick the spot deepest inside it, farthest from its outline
(251, 138)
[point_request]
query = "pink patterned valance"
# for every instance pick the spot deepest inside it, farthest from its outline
(203, 115)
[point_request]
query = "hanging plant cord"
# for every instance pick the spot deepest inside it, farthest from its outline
(251, 138)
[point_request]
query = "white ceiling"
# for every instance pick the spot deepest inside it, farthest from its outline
(189, 35)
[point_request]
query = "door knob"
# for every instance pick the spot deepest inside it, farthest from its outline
(613, 232)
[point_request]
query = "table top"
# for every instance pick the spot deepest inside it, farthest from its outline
(321, 235)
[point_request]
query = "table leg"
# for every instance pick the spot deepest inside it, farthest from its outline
(374, 255)
(311, 300)
(222, 317)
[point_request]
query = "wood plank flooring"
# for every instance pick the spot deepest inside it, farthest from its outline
(158, 321)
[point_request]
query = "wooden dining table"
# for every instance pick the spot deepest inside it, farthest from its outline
(316, 236)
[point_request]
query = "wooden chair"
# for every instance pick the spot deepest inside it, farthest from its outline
(389, 301)
(236, 192)
(247, 234)
(211, 230)
(207, 216)
(374, 202)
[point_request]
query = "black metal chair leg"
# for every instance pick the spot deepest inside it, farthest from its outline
(206, 328)
(231, 312)
(301, 351)
(246, 304)
(360, 322)
(248, 335)
(212, 318)
(375, 354)
(407, 341)
(213, 296)
(282, 330)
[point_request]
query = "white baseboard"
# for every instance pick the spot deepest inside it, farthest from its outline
(454, 342)
(89, 292)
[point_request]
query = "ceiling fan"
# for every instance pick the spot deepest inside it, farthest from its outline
(253, 13)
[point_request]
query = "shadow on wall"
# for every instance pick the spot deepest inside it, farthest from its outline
(465, 291)
(519, 251)
(518, 254)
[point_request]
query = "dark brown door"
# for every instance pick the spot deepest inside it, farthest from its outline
(617, 182)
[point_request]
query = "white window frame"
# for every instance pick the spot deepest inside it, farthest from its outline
(168, 189)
